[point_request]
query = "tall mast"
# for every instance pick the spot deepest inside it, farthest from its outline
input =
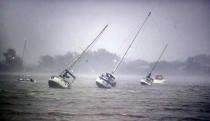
(24, 49)
(131, 43)
(155, 65)
(84, 51)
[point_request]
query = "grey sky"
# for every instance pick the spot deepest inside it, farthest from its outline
(57, 26)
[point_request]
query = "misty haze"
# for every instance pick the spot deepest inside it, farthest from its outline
(105, 60)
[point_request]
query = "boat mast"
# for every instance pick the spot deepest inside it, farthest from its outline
(131, 43)
(155, 65)
(24, 48)
(84, 51)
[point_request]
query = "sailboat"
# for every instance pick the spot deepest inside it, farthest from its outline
(148, 80)
(159, 79)
(66, 77)
(107, 80)
(25, 77)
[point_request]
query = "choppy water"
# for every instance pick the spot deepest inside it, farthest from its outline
(178, 99)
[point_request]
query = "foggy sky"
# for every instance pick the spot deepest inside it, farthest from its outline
(58, 26)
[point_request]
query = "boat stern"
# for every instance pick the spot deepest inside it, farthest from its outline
(58, 82)
(101, 83)
(146, 81)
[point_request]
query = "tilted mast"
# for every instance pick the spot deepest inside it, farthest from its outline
(84, 51)
(155, 65)
(131, 43)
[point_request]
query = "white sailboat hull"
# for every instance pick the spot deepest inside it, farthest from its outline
(58, 82)
(146, 82)
(104, 83)
(157, 81)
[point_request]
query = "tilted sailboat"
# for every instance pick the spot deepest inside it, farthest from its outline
(25, 77)
(107, 80)
(66, 78)
(148, 80)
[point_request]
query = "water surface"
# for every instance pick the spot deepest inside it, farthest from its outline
(179, 99)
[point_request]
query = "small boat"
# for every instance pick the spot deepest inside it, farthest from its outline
(148, 80)
(66, 78)
(24, 77)
(159, 79)
(107, 80)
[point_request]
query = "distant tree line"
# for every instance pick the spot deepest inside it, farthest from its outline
(103, 61)
(99, 61)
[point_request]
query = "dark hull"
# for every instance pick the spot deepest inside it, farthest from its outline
(142, 83)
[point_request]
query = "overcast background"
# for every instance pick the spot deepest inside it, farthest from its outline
(59, 26)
